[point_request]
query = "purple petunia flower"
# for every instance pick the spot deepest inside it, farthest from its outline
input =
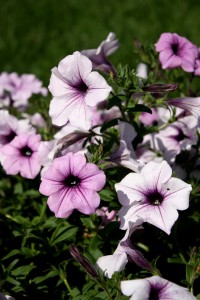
(21, 156)
(197, 64)
(21, 87)
(125, 155)
(154, 287)
(152, 195)
(178, 136)
(76, 89)
(191, 104)
(72, 183)
(125, 252)
(176, 51)
(10, 127)
(99, 56)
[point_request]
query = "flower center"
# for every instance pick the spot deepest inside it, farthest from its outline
(180, 136)
(82, 87)
(155, 198)
(72, 181)
(8, 138)
(26, 151)
(153, 294)
(175, 48)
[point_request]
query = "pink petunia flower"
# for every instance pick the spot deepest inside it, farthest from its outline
(106, 215)
(21, 87)
(99, 56)
(197, 65)
(152, 195)
(72, 183)
(124, 252)
(176, 51)
(154, 287)
(178, 136)
(10, 127)
(76, 89)
(125, 155)
(191, 104)
(21, 156)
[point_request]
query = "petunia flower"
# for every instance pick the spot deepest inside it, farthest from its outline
(10, 127)
(124, 252)
(176, 51)
(191, 104)
(72, 183)
(21, 87)
(21, 156)
(197, 65)
(76, 89)
(178, 136)
(152, 195)
(99, 56)
(154, 287)
(125, 155)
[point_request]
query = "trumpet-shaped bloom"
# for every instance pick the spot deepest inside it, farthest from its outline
(76, 89)
(99, 56)
(156, 288)
(10, 127)
(178, 136)
(72, 183)
(176, 51)
(191, 104)
(152, 195)
(21, 87)
(125, 155)
(21, 156)
(125, 252)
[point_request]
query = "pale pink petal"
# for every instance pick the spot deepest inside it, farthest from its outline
(98, 89)
(177, 193)
(86, 200)
(127, 191)
(58, 86)
(110, 264)
(75, 68)
(138, 289)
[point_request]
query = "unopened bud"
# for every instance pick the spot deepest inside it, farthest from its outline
(160, 88)
(83, 261)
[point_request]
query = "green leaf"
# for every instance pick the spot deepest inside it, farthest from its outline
(114, 101)
(23, 270)
(40, 279)
(64, 234)
(139, 108)
(109, 124)
(87, 222)
(198, 297)
(12, 264)
(107, 195)
(12, 253)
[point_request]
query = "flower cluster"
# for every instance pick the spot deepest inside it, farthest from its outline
(118, 158)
